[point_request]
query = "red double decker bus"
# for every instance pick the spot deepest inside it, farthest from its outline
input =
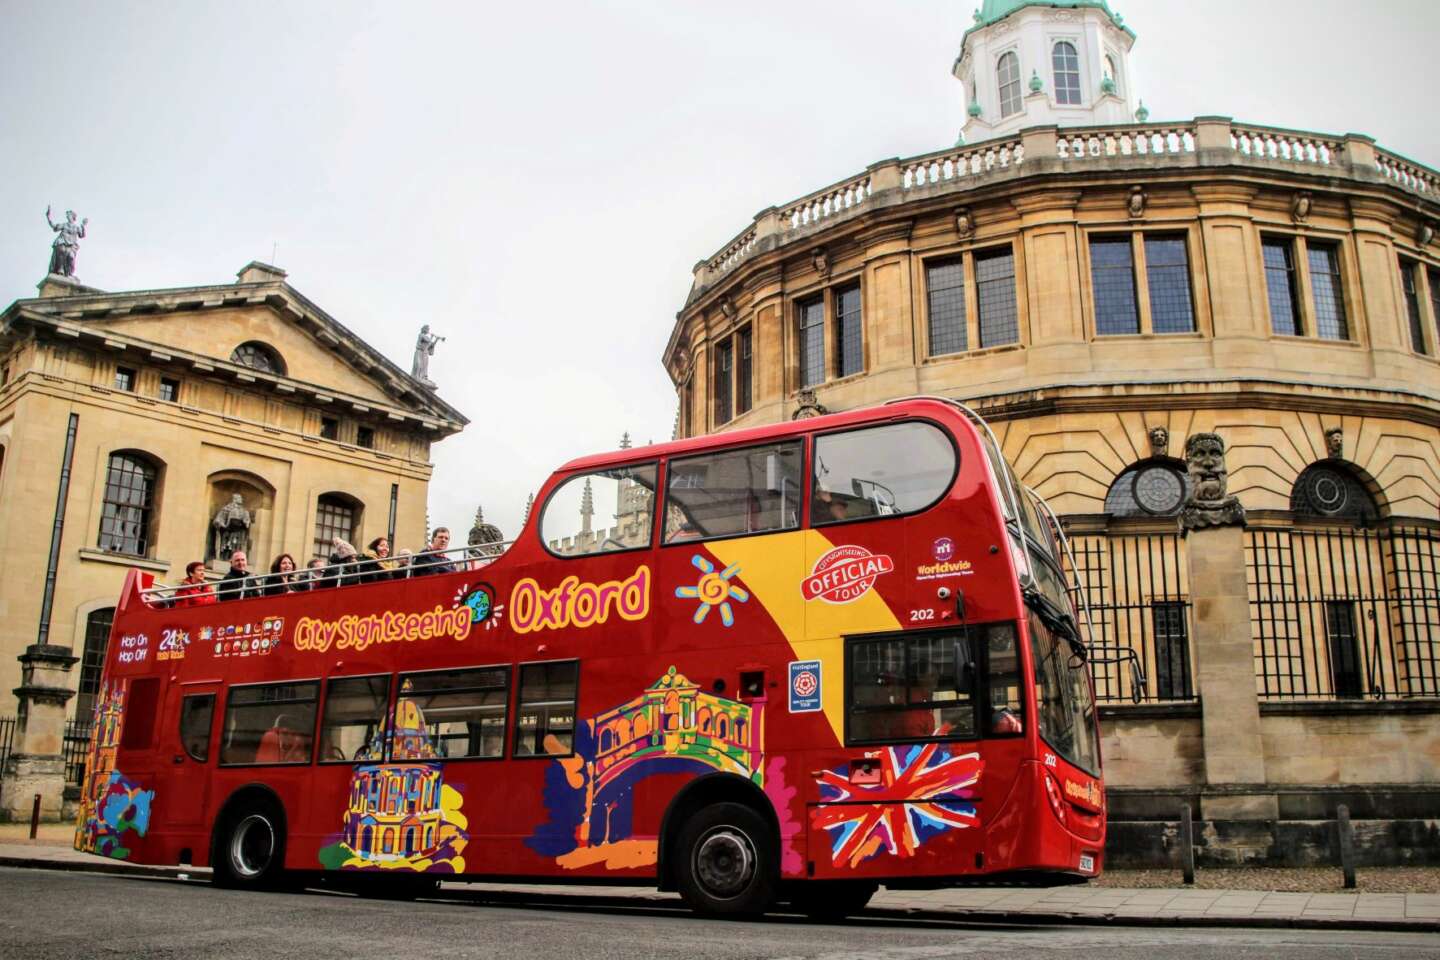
(785, 664)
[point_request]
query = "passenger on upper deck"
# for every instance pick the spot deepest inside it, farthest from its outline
(375, 562)
(434, 560)
(193, 590)
(283, 578)
(238, 583)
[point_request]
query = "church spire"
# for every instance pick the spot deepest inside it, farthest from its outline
(587, 508)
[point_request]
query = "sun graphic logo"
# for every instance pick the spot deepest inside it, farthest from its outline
(714, 590)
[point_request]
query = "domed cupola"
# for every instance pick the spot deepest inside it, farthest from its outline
(1024, 63)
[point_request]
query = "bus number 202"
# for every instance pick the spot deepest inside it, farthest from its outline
(923, 614)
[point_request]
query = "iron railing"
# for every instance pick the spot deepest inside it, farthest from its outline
(1137, 589)
(7, 742)
(1342, 613)
(77, 749)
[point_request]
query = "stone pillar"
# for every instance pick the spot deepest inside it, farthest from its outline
(37, 764)
(1214, 524)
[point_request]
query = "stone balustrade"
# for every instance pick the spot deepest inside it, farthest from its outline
(1199, 142)
(961, 162)
(1137, 141)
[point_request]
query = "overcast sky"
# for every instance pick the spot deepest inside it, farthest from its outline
(536, 180)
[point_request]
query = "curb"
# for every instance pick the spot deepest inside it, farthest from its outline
(520, 896)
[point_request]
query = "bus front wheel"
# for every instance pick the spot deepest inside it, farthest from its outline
(726, 866)
(250, 848)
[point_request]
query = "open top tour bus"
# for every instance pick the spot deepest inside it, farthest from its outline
(802, 661)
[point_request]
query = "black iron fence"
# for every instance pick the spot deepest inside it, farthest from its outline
(1345, 613)
(77, 748)
(1137, 586)
(7, 741)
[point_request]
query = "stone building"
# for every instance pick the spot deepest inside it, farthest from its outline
(179, 425)
(1103, 290)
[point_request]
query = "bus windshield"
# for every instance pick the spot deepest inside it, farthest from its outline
(1062, 693)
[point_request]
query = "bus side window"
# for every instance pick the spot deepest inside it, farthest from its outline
(354, 719)
(451, 714)
(140, 713)
(1003, 658)
(545, 714)
(196, 713)
(269, 723)
(880, 471)
(730, 493)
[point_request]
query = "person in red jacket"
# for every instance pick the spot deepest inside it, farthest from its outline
(193, 590)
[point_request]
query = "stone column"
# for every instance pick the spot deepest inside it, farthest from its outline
(37, 764)
(1214, 524)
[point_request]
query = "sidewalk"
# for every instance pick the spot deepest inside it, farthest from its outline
(1411, 912)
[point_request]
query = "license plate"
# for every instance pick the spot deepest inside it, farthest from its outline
(1087, 863)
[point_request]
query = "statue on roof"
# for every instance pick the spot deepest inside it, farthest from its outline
(424, 350)
(68, 235)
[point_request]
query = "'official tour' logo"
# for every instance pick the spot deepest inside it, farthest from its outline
(845, 574)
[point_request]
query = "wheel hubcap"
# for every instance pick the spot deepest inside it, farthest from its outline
(252, 845)
(724, 862)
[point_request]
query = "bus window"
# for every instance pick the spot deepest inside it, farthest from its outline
(1002, 666)
(269, 723)
(880, 471)
(459, 713)
(354, 716)
(195, 715)
(1062, 692)
(545, 717)
(733, 492)
(578, 517)
(908, 688)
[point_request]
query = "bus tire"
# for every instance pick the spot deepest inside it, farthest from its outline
(250, 847)
(726, 865)
(830, 901)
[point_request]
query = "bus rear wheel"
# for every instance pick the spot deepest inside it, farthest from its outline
(726, 865)
(250, 848)
(829, 901)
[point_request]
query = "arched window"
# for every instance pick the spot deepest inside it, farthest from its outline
(1330, 490)
(92, 661)
(1152, 488)
(258, 356)
(1067, 72)
(1007, 73)
(336, 515)
(127, 512)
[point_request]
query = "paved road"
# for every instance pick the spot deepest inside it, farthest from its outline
(47, 915)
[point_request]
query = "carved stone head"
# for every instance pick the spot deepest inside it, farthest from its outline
(820, 262)
(1136, 204)
(1205, 461)
(1300, 207)
(1335, 442)
(808, 405)
(964, 223)
(1159, 442)
(727, 307)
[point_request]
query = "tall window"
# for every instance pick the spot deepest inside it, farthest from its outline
(1324, 260)
(744, 371)
(1007, 73)
(1172, 652)
(1434, 277)
(848, 357)
(1280, 284)
(812, 342)
(126, 512)
(995, 289)
(1067, 73)
(258, 356)
(724, 370)
(1409, 278)
(1113, 274)
(92, 661)
(1167, 270)
(335, 516)
(945, 297)
(1344, 649)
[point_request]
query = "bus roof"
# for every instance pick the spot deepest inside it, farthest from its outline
(775, 431)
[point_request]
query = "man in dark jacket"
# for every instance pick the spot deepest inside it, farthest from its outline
(238, 584)
(432, 560)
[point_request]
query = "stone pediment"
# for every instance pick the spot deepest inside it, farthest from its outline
(200, 327)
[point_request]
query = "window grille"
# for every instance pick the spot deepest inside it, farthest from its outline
(849, 357)
(334, 517)
(945, 294)
(1167, 270)
(1007, 72)
(995, 286)
(724, 363)
(1280, 284)
(92, 661)
(1324, 259)
(1112, 272)
(744, 372)
(129, 503)
(812, 342)
(1067, 73)
(1408, 280)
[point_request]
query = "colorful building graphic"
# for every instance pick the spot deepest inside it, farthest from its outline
(673, 727)
(110, 804)
(402, 816)
(923, 791)
(714, 590)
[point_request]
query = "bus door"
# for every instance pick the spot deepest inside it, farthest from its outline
(186, 744)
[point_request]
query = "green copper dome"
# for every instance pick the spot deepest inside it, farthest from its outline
(993, 11)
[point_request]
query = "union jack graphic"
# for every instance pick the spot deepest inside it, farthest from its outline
(923, 791)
